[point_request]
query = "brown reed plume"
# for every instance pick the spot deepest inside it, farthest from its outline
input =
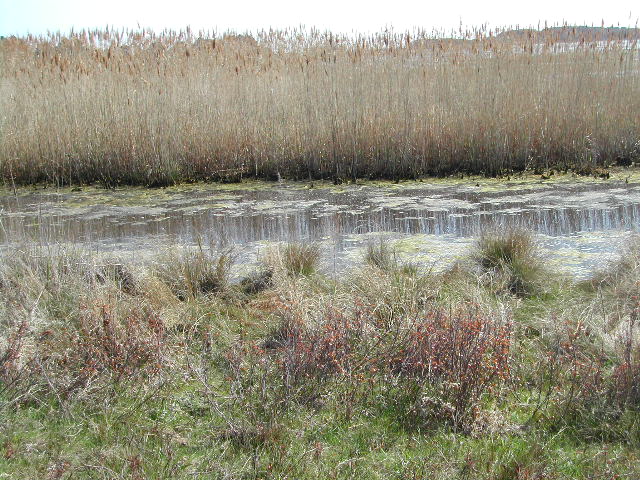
(154, 109)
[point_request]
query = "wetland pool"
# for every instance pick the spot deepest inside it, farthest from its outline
(580, 224)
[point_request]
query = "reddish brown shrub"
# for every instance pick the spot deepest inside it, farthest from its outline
(456, 355)
(114, 344)
(625, 389)
(122, 345)
(576, 369)
(462, 353)
(9, 368)
(331, 349)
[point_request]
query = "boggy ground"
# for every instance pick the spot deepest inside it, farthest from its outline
(251, 213)
(496, 368)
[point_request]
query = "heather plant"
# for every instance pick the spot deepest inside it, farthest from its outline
(625, 391)
(106, 342)
(582, 362)
(454, 358)
(462, 355)
(112, 343)
(10, 356)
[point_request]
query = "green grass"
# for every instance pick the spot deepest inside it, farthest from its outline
(156, 443)
(226, 401)
(511, 261)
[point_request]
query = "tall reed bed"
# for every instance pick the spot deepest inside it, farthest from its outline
(154, 109)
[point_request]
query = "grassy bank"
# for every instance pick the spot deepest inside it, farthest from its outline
(169, 370)
(145, 109)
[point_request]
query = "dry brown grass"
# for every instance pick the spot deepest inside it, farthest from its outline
(140, 108)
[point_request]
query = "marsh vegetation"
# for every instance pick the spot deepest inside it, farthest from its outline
(179, 363)
(156, 109)
(143, 371)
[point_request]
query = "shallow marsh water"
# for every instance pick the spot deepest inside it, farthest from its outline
(581, 221)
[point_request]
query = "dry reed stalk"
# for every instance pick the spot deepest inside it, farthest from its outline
(154, 109)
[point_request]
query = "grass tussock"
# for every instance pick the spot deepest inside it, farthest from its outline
(623, 273)
(381, 368)
(155, 109)
(197, 271)
(294, 259)
(381, 255)
(511, 260)
(258, 281)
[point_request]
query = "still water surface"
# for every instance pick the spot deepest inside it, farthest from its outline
(580, 224)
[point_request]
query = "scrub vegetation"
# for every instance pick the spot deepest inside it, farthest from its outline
(140, 108)
(169, 369)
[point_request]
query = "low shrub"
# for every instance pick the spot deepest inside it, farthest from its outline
(453, 357)
(109, 343)
(10, 356)
(460, 355)
(592, 391)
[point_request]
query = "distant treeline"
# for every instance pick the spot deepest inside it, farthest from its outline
(576, 33)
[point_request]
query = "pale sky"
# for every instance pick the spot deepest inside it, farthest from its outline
(39, 16)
